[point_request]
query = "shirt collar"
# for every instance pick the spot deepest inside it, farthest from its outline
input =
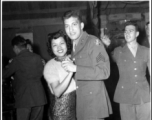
(131, 47)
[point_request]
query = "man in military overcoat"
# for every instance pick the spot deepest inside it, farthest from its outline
(27, 68)
(132, 91)
(91, 68)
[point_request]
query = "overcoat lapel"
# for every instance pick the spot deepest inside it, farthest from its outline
(81, 44)
(139, 53)
(126, 51)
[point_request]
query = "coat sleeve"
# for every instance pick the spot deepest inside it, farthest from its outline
(10, 69)
(100, 67)
(115, 54)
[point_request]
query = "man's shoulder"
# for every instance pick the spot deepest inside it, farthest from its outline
(144, 47)
(145, 43)
(92, 37)
(35, 55)
(29, 55)
(118, 49)
(94, 40)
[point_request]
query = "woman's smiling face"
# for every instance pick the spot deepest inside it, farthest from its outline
(59, 47)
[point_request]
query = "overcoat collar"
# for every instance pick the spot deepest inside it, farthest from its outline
(23, 51)
(81, 43)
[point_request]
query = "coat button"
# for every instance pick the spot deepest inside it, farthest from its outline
(135, 68)
(122, 87)
(90, 92)
(77, 87)
(135, 75)
(134, 61)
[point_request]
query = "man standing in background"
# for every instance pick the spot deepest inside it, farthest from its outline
(27, 68)
(132, 91)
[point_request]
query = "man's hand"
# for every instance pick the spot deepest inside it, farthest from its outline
(69, 66)
(10, 60)
(105, 39)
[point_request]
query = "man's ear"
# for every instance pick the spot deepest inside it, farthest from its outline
(16, 49)
(137, 33)
(82, 25)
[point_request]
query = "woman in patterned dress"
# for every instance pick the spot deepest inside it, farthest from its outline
(60, 81)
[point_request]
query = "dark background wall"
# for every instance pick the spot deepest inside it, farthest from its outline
(41, 18)
(40, 34)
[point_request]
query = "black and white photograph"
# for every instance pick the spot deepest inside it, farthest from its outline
(75, 60)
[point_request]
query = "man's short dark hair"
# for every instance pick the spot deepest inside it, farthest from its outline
(19, 41)
(72, 13)
(134, 23)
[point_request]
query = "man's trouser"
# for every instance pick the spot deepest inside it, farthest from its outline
(33, 113)
(135, 112)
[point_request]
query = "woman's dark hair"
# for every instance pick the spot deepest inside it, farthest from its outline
(56, 35)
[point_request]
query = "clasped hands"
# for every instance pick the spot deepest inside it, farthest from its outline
(68, 65)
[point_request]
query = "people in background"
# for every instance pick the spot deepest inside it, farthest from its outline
(146, 42)
(91, 66)
(147, 27)
(60, 80)
(30, 48)
(27, 68)
(132, 91)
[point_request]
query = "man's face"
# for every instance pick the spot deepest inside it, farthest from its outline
(59, 47)
(73, 28)
(130, 33)
(16, 50)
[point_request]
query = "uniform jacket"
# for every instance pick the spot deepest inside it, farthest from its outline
(27, 68)
(132, 85)
(92, 68)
